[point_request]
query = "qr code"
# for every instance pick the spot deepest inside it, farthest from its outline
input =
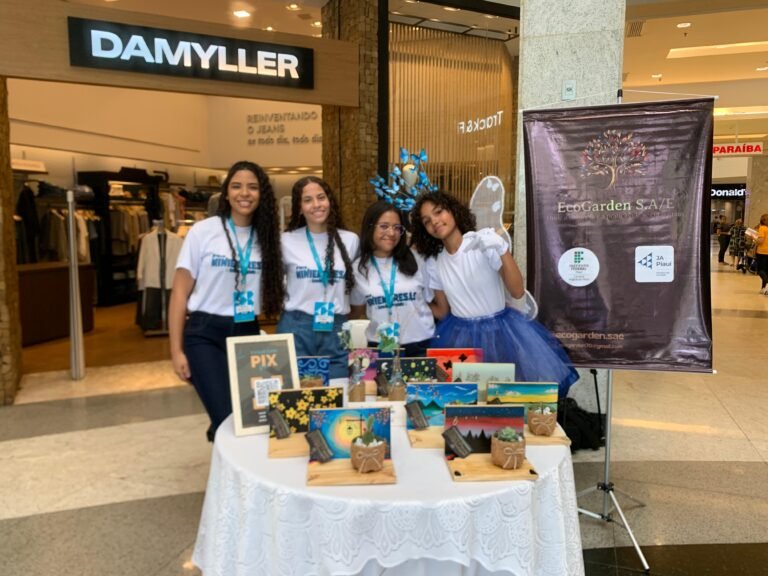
(262, 387)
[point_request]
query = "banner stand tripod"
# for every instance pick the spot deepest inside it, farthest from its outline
(607, 487)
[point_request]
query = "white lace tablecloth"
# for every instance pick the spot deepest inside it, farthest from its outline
(260, 518)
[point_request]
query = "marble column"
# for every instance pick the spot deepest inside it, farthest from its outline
(565, 41)
(757, 185)
(350, 135)
(10, 324)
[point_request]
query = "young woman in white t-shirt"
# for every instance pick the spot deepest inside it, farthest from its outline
(390, 285)
(317, 255)
(228, 272)
(469, 271)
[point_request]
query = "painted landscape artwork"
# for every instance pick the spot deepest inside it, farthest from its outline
(482, 373)
(414, 369)
(530, 394)
(478, 423)
(434, 397)
(314, 371)
(368, 358)
(295, 405)
(447, 357)
(341, 426)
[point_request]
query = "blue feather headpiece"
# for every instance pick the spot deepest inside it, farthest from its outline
(406, 181)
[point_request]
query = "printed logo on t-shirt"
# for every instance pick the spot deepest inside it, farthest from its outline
(302, 273)
(219, 261)
(400, 299)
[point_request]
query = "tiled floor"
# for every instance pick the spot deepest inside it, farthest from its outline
(106, 476)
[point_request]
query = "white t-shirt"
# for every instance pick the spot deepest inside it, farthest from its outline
(470, 280)
(303, 284)
(208, 257)
(410, 307)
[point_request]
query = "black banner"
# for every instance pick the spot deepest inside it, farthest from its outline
(98, 44)
(618, 201)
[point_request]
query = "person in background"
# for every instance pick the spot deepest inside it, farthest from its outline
(724, 238)
(228, 272)
(761, 253)
(318, 256)
(737, 243)
(390, 284)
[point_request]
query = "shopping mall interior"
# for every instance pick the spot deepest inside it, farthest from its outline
(107, 474)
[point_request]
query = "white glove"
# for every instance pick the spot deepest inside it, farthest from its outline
(486, 239)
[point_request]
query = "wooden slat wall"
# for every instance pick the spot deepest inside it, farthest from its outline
(438, 79)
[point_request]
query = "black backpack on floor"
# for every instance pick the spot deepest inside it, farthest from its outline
(585, 429)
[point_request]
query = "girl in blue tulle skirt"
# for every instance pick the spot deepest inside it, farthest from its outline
(469, 272)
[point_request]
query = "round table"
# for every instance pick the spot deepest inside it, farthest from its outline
(260, 518)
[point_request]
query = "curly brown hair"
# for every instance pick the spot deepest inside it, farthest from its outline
(267, 231)
(426, 244)
(333, 224)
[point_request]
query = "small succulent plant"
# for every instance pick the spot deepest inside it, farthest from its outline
(368, 438)
(508, 435)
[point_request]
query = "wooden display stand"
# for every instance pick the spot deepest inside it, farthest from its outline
(292, 447)
(558, 438)
(478, 468)
(431, 437)
(339, 472)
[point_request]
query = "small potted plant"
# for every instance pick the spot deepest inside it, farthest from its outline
(368, 452)
(507, 449)
(542, 421)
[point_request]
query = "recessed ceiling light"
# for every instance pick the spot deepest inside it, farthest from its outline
(269, 29)
(412, 1)
(719, 49)
(684, 25)
(451, 8)
(317, 24)
(657, 76)
(434, 20)
(241, 13)
(761, 69)
(293, 7)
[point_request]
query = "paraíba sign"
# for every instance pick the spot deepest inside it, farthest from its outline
(98, 44)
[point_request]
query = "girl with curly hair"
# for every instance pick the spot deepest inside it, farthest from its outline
(228, 272)
(390, 285)
(469, 272)
(318, 256)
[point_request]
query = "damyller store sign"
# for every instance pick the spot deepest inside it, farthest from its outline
(113, 46)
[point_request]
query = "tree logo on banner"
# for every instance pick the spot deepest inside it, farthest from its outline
(613, 154)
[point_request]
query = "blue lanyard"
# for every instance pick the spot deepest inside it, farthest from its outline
(322, 271)
(244, 258)
(389, 294)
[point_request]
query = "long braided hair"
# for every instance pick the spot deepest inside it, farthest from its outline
(333, 224)
(264, 222)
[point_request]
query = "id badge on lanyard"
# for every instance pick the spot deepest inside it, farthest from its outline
(322, 320)
(389, 333)
(245, 310)
(244, 307)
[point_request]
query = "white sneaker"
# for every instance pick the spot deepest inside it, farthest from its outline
(764, 290)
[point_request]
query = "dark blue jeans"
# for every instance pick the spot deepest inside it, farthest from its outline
(311, 343)
(205, 345)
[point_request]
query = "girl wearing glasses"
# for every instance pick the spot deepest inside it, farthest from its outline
(469, 271)
(318, 255)
(390, 286)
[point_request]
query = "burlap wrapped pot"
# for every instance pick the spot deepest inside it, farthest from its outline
(507, 455)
